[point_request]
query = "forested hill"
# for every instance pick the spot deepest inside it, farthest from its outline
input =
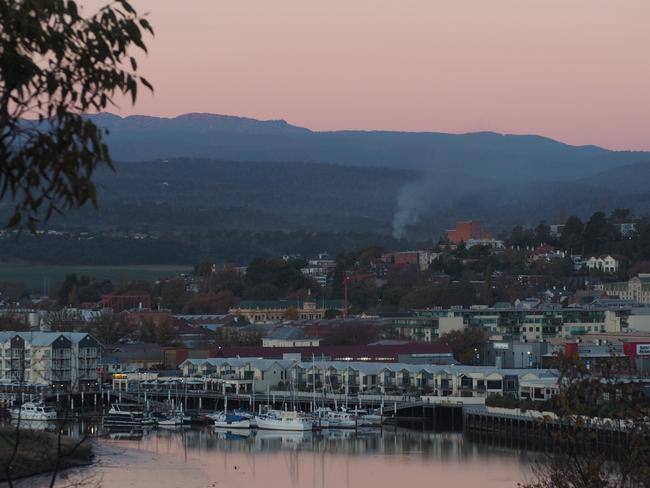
(490, 155)
(188, 195)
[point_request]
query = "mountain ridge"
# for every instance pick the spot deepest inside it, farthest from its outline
(505, 157)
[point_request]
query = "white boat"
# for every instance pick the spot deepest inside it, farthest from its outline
(33, 411)
(341, 420)
(368, 419)
(284, 420)
(124, 415)
(328, 418)
(230, 421)
(174, 420)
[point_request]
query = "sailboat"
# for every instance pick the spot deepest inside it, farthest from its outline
(229, 420)
(284, 420)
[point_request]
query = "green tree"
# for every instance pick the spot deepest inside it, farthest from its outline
(263, 291)
(571, 236)
(621, 214)
(542, 233)
(166, 333)
(219, 302)
(599, 234)
(55, 66)
(466, 344)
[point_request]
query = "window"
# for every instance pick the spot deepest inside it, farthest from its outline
(494, 385)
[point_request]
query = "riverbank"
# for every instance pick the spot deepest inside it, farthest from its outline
(39, 452)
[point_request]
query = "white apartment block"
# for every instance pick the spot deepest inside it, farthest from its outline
(48, 358)
(262, 375)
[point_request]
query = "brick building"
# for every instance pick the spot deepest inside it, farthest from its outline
(468, 230)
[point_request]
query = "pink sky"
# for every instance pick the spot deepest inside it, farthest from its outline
(574, 70)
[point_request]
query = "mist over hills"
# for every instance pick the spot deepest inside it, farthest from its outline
(484, 154)
(188, 195)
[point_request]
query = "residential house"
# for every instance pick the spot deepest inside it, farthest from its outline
(605, 263)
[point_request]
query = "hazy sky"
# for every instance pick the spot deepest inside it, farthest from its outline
(574, 70)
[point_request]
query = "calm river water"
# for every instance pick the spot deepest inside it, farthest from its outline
(205, 457)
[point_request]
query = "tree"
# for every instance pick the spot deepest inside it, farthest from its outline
(598, 234)
(173, 294)
(455, 294)
(621, 214)
(219, 302)
(8, 322)
(571, 236)
(109, 329)
(166, 333)
(291, 313)
(542, 233)
(466, 344)
(608, 393)
(55, 66)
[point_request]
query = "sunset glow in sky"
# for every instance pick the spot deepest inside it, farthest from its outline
(574, 70)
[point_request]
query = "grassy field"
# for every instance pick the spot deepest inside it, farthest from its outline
(37, 277)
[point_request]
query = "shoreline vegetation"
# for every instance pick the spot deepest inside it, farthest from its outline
(39, 453)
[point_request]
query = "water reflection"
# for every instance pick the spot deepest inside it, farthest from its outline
(208, 457)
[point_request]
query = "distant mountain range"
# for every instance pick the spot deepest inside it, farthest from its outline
(485, 154)
(204, 172)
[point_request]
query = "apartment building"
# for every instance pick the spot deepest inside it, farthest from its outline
(261, 375)
(536, 324)
(48, 358)
(426, 329)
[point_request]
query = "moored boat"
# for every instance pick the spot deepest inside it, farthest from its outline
(33, 411)
(173, 420)
(120, 414)
(230, 421)
(284, 420)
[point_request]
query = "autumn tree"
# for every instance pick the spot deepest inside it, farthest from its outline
(13, 323)
(291, 313)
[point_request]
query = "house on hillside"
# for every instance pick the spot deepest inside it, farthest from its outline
(604, 262)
